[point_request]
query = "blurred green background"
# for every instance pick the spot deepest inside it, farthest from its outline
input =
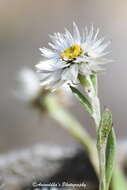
(24, 27)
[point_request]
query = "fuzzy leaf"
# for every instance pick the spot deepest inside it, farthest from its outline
(83, 100)
(104, 128)
(110, 156)
(102, 139)
(83, 80)
(94, 81)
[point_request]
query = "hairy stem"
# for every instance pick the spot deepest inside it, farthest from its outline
(102, 161)
(92, 93)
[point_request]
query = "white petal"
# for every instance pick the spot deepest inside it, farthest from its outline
(102, 54)
(90, 34)
(76, 34)
(100, 61)
(46, 65)
(83, 36)
(48, 53)
(51, 78)
(81, 59)
(96, 68)
(71, 73)
(86, 31)
(59, 42)
(50, 65)
(53, 46)
(102, 47)
(84, 69)
(69, 38)
(97, 43)
(95, 37)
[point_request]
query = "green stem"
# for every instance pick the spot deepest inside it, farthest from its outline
(102, 161)
(73, 126)
(91, 92)
(90, 88)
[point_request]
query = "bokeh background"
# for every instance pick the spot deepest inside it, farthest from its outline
(24, 27)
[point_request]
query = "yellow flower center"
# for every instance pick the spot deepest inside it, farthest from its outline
(72, 52)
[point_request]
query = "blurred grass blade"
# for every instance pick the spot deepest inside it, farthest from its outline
(118, 180)
(83, 100)
(68, 122)
(110, 156)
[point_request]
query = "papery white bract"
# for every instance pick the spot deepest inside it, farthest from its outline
(70, 56)
(28, 85)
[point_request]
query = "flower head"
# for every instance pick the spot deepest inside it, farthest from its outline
(70, 56)
(28, 85)
(29, 89)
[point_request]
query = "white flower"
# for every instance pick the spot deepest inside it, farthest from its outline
(28, 85)
(70, 56)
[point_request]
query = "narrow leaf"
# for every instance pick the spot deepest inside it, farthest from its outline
(104, 128)
(83, 80)
(94, 81)
(110, 156)
(83, 99)
(102, 139)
